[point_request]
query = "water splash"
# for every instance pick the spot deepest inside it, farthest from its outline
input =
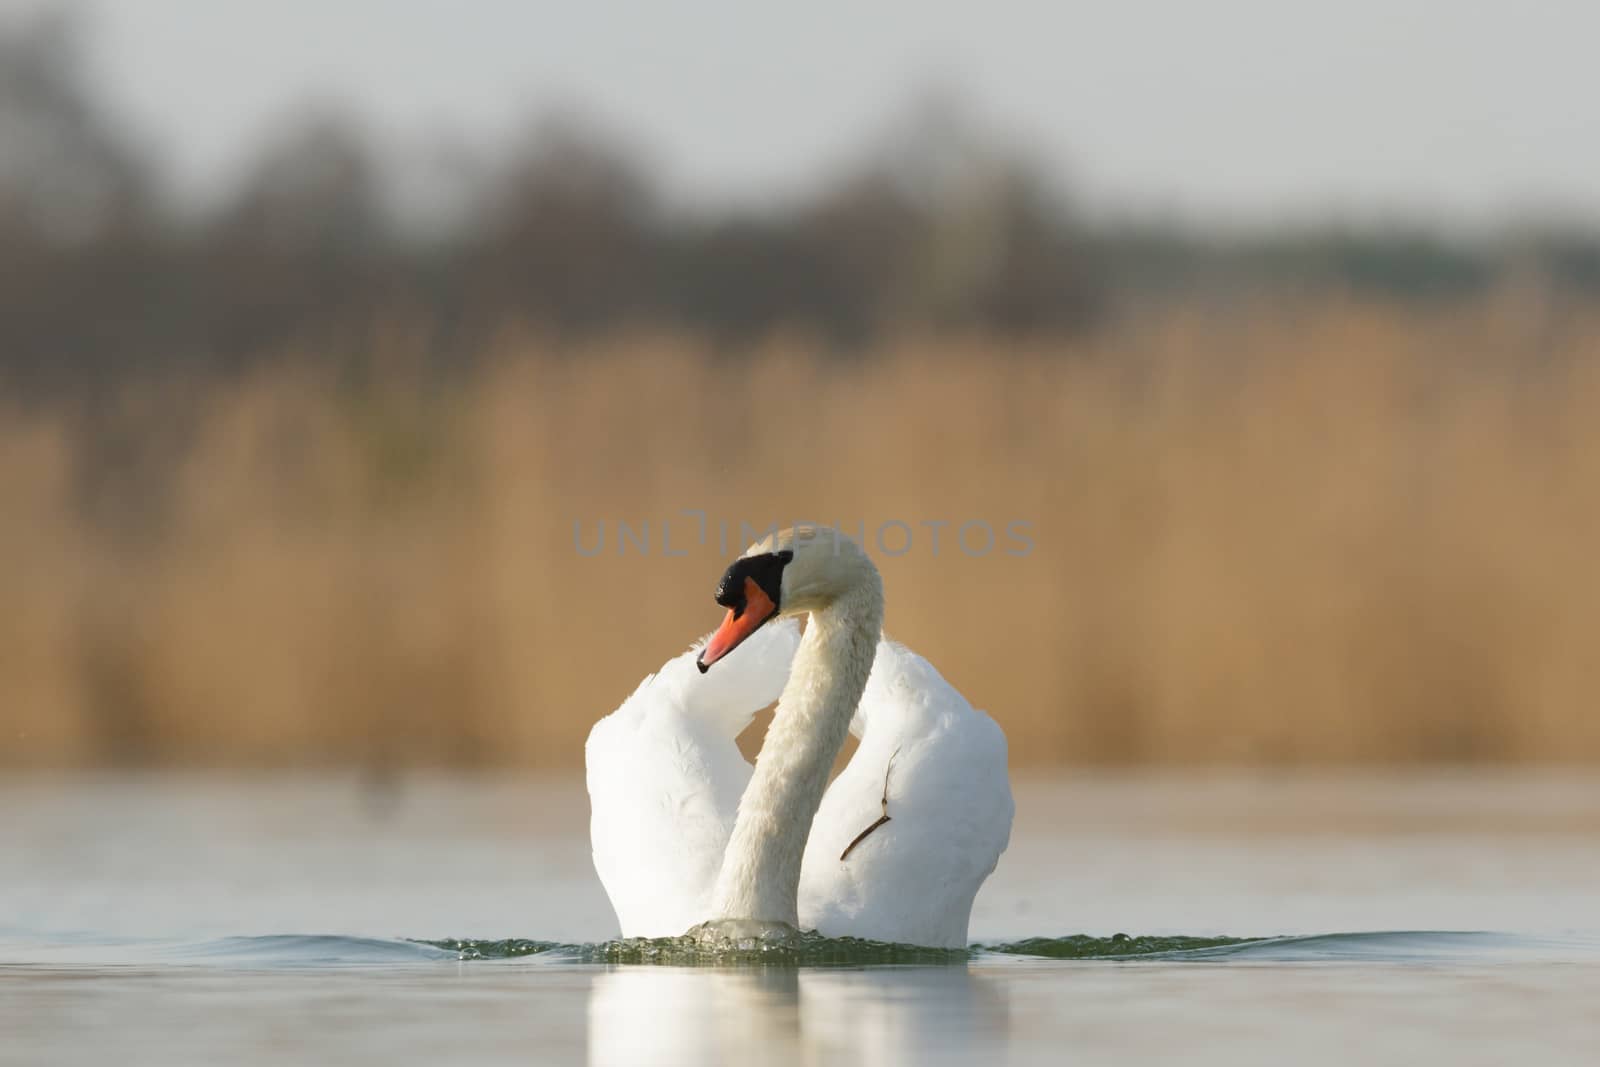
(810, 949)
(795, 949)
(1117, 946)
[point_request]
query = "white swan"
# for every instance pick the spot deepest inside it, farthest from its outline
(683, 829)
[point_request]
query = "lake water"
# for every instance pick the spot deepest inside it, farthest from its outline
(226, 918)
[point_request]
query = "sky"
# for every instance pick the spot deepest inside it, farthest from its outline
(1232, 111)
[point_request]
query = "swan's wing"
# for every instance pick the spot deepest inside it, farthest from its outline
(743, 682)
(662, 798)
(914, 878)
(665, 777)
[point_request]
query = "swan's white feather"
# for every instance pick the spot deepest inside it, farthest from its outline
(665, 777)
(912, 879)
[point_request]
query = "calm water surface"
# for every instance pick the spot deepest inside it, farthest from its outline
(209, 919)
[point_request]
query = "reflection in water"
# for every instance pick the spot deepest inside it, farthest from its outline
(890, 1015)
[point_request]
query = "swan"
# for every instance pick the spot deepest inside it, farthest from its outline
(686, 832)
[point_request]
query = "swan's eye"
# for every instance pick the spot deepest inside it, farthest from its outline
(766, 570)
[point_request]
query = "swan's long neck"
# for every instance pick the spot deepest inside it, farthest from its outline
(760, 874)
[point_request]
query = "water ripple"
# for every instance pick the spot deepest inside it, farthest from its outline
(812, 949)
(795, 949)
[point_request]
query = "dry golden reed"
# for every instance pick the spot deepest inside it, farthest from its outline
(1333, 533)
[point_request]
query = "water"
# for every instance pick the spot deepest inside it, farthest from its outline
(205, 919)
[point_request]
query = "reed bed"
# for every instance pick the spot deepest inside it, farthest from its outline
(1326, 533)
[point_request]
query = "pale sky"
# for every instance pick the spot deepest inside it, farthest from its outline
(1237, 110)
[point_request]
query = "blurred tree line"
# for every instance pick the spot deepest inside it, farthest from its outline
(103, 273)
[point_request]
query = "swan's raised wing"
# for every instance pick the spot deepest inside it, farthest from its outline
(912, 879)
(665, 777)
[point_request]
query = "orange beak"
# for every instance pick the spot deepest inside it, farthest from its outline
(739, 624)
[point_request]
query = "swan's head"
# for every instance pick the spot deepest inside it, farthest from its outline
(791, 572)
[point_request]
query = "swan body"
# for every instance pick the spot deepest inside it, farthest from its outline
(914, 878)
(665, 776)
(685, 831)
